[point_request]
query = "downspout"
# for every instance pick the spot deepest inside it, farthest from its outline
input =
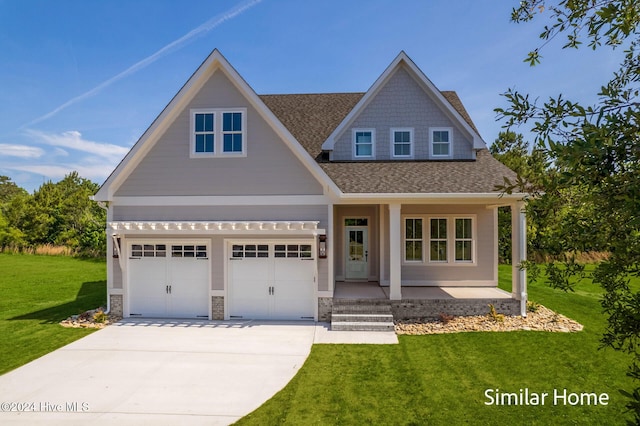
(104, 206)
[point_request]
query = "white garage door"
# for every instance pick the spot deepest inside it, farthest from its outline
(169, 279)
(271, 280)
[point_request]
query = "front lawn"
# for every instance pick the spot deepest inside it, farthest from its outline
(37, 292)
(442, 379)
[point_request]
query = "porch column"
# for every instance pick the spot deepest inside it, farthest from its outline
(395, 252)
(382, 253)
(330, 259)
(519, 255)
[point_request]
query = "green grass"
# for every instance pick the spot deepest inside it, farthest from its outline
(36, 293)
(441, 379)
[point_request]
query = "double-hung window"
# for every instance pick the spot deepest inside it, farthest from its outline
(464, 240)
(204, 132)
(438, 247)
(364, 143)
(402, 140)
(232, 132)
(218, 132)
(441, 142)
(413, 239)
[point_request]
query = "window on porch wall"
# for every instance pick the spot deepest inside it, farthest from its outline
(413, 240)
(438, 240)
(463, 240)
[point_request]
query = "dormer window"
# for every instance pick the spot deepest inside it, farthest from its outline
(204, 133)
(218, 132)
(441, 142)
(402, 139)
(364, 143)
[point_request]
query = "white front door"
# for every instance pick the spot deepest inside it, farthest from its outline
(357, 252)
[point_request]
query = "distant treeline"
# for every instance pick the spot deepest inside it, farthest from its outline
(57, 215)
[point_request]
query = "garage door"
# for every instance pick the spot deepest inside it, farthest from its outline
(271, 280)
(169, 279)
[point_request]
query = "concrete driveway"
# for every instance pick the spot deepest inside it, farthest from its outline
(158, 372)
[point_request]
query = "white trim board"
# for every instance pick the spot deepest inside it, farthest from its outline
(223, 200)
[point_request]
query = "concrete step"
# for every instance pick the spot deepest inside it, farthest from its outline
(367, 302)
(361, 317)
(362, 326)
(359, 309)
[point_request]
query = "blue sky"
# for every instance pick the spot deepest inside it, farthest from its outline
(80, 81)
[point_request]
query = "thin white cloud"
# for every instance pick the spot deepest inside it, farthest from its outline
(174, 45)
(58, 171)
(21, 151)
(73, 140)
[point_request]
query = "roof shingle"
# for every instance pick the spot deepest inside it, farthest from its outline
(312, 117)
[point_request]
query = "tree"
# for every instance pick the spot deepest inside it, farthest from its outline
(595, 154)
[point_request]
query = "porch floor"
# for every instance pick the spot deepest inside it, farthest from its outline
(372, 290)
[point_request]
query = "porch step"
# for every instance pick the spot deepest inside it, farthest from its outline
(361, 315)
(362, 326)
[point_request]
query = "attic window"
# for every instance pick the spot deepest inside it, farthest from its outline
(218, 132)
(441, 142)
(364, 143)
(402, 139)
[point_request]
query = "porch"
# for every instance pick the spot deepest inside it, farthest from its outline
(426, 258)
(373, 290)
(424, 301)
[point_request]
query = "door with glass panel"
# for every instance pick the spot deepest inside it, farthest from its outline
(357, 249)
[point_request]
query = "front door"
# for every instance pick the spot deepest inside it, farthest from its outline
(357, 251)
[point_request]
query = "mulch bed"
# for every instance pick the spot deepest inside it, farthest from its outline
(89, 319)
(543, 319)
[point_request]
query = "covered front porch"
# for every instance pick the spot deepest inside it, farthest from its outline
(428, 302)
(427, 258)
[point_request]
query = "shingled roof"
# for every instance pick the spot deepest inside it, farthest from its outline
(312, 117)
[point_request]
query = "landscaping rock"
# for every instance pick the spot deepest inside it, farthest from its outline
(87, 320)
(543, 319)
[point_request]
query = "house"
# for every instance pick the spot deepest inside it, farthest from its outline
(239, 205)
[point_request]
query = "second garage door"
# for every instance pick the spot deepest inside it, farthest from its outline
(271, 280)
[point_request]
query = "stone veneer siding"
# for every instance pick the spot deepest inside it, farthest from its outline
(325, 306)
(429, 308)
(217, 307)
(115, 302)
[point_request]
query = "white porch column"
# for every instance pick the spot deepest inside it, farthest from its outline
(382, 253)
(519, 255)
(330, 259)
(395, 252)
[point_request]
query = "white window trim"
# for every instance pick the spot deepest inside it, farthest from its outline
(373, 144)
(473, 240)
(404, 246)
(392, 143)
(447, 240)
(218, 139)
(441, 129)
(451, 240)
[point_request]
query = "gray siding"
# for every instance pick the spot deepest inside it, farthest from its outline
(402, 103)
(270, 168)
(484, 269)
(116, 274)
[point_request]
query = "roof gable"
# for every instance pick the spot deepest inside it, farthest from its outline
(215, 62)
(445, 103)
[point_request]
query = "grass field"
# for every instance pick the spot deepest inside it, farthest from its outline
(37, 292)
(442, 379)
(437, 379)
